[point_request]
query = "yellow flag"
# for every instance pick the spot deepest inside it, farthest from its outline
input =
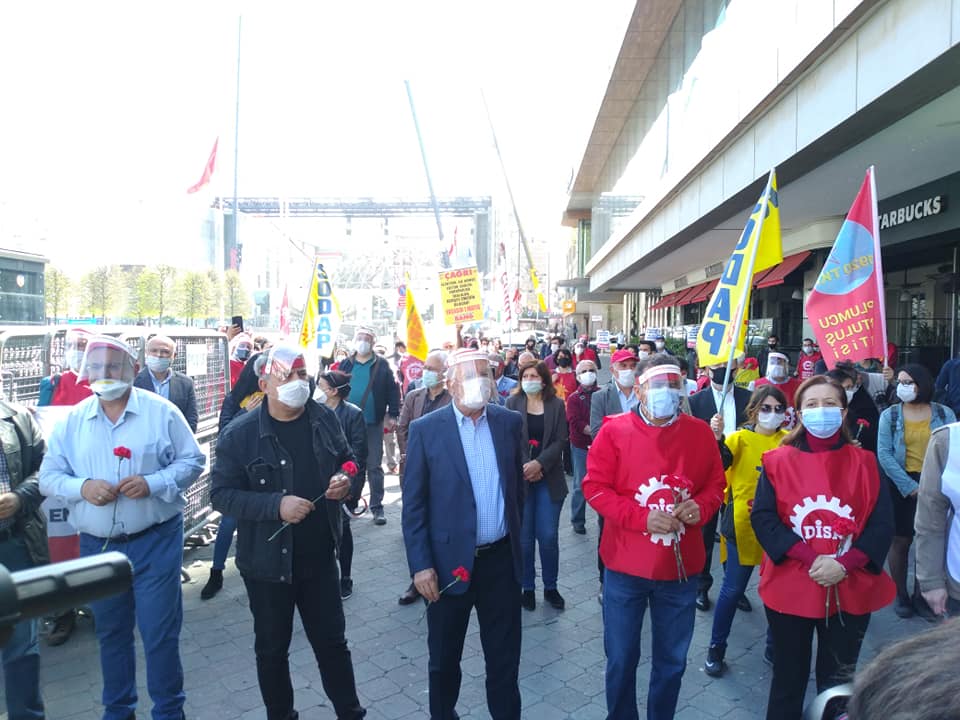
(321, 314)
(723, 330)
(416, 335)
(536, 288)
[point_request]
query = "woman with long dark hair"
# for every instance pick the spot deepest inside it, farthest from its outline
(823, 518)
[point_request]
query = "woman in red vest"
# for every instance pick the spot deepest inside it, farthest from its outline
(825, 523)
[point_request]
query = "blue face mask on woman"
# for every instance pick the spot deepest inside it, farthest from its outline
(822, 422)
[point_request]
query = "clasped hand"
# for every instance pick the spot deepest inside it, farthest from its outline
(532, 471)
(684, 513)
(827, 571)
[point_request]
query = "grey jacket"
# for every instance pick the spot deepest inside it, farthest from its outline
(935, 518)
(182, 393)
(23, 448)
(554, 441)
(605, 401)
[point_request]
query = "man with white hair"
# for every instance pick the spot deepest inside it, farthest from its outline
(463, 492)
(122, 460)
(159, 377)
(654, 495)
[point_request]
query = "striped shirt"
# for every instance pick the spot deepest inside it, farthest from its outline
(481, 456)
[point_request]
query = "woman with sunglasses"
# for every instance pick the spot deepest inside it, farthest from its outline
(824, 521)
(902, 440)
(741, 452)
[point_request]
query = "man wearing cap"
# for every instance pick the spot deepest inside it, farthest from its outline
(166, 382)
(373, 389)
(282, 471)
(121, 461)
(463, 493)
(654, 494)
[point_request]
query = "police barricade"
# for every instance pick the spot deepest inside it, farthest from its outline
(28, 354)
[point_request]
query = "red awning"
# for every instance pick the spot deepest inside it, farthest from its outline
(704, 291)
(777, 274)
(665, 302)
(685, 295)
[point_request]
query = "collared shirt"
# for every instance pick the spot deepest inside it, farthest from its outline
(627, 402)
(161, 387)
(163, 451)
(432, 403)
(5, 488)
(729, 411)
(481, 456)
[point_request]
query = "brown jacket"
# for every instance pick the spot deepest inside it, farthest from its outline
(413, 404)
(934, 516)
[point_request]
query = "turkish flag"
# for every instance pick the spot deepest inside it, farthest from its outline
(207, 170)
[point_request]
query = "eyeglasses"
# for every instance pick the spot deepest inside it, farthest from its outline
(766, 409)
(906, 382)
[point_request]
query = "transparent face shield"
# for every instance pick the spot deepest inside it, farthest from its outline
(470, 379)
(109, 365)
(658, 389)
(777, 367)
(74, 344)
(284, 363)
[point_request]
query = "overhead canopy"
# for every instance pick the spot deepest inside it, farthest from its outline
(778, 273)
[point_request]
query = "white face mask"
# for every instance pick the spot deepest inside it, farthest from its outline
(320, 396)
(109, 389)
(659, 345)
(777, 373)
(363, 347)
(850, 393)
(554, 347)
(641, 354)
(907, 393)
(625, 378)
(294, 394)
(771, 421)
(587, 378)
(475, 392)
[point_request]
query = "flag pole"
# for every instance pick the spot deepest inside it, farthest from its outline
(306, 302)
(236, 147)
(878, 262)
(426, 171)
(742, 308)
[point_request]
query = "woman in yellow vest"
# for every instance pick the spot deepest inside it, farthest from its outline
(742, 452)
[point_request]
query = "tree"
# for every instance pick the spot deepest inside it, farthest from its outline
(100, 289)
(235, 298)
(193, 294)
(167, 275)
(142, 294)
(216, 294)
(56, 290)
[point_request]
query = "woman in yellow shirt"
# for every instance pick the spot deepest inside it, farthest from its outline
(742, 452)
(902, 439)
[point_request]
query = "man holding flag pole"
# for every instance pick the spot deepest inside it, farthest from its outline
(722, 337)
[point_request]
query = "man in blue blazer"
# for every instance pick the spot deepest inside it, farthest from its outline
(160, 378)
(463, 495)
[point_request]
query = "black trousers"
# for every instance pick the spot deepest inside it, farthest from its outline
(705, 582)
(346, 549)
(599, 539)
(495, 593)
(317, 598)
(838, 647)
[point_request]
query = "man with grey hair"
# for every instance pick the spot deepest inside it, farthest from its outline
(505, 385)
(159, 377)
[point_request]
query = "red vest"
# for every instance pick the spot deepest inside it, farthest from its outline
(69, 391)
(813, 491)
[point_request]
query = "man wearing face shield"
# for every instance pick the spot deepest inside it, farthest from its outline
(654, 495)
(282, 472)
(463, 492)
(166, 382)
(778, 373)
(373, 389)
(122, 461)
(67, 388)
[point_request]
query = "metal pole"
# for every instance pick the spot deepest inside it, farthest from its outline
(236, 147)
(426, 170)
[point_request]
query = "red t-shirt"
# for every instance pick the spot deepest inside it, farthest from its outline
(806, 365)
(69, 391)
(633, 467)
(565, 384)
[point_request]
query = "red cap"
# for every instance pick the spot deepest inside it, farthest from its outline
(621, 355)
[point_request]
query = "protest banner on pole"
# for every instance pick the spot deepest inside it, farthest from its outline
(460, 295)
(321, 314)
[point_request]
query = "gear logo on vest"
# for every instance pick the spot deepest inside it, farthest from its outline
(813, 519)
(659, 494)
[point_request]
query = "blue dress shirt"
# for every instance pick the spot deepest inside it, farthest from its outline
(481, 457)
(163, 451)
(161, 387)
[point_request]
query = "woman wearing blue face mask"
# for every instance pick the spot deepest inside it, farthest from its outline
(902, 439)
(823, 518)
(545, 437)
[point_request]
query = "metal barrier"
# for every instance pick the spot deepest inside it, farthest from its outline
(28, 354)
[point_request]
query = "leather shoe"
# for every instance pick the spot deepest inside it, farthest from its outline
(410, 596)
(528, 601)
(703, 600)
(555, 599)
(744, 604)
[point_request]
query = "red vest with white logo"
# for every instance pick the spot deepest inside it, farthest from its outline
(813, 491)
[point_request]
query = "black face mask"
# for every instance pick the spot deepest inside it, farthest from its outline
(772, 346)
(719, 376)
(530, 346)
(563, 362)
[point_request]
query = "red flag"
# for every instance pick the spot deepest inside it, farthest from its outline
(846, 307)
(207, 170)
(285, 314)
(453, 246)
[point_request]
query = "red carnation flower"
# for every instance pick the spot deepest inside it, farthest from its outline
(535, 443)
(864, 423)
(844, 528)
(462, 574)
(350, 468)
(122, 452)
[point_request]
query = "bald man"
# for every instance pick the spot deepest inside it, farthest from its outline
(159, 377)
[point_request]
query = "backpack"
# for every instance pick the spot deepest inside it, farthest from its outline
(48, 386)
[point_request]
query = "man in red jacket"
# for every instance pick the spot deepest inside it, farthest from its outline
(654, 495)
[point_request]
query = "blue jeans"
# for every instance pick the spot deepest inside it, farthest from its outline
(578, 506)
(221, 547)
(21, 654)
(736, 577)
(154, 604)
(672, 613)
(541, 523)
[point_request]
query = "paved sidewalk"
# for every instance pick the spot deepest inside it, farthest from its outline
(561, 669)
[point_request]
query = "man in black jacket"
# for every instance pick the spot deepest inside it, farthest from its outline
(281, 470)
(373, 389)
(704, 405)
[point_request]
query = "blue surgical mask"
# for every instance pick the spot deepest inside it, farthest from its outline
(663, 402)
(158, 364)
(532, 387)
(430, 378)
(822, 422)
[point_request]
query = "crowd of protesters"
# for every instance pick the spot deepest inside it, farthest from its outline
(821, 478)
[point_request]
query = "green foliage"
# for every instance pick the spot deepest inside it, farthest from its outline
(166, 275)
(143, 288)
(236, 300)
(194, 293)
(100, 291)
(56, 289)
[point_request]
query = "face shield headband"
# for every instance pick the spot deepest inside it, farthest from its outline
(109, 362)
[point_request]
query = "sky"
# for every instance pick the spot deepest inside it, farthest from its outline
(111, 109)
